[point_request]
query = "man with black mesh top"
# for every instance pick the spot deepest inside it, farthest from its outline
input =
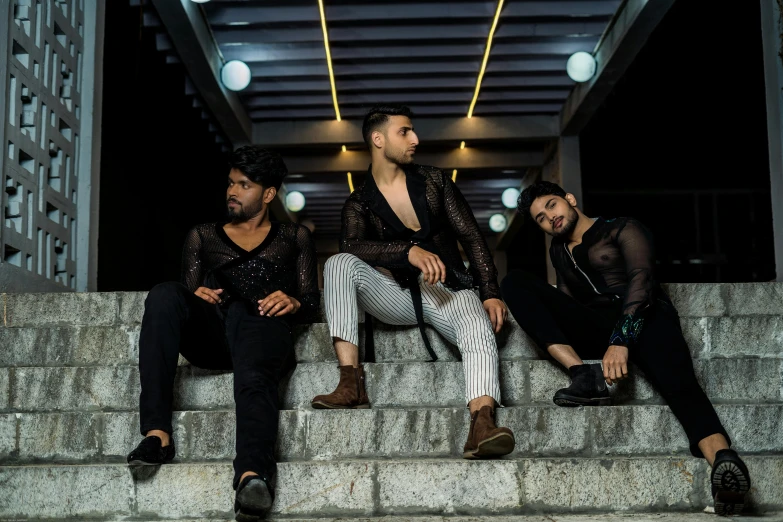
(608, 306)
(400, 262)
(245, 281)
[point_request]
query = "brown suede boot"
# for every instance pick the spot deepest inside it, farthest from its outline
(485, 440)
(349, 394)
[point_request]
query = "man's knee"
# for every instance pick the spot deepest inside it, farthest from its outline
(341, 265)
(166, 296)
(472, 315)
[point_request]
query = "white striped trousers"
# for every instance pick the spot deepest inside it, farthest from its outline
(350, 284)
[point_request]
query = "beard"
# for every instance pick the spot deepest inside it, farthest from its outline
(241, 213)
(569, 224)
(398, 157)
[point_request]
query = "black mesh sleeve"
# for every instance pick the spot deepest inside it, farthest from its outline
(192, 266)
(464, 224)
(307, 276)
(636, 245)
(353, 240)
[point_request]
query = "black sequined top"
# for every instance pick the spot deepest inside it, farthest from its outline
(285, 260)
(613, 264)
(373, 232)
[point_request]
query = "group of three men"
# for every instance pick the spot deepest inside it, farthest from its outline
(246, 280)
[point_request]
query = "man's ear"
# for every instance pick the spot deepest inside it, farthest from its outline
(571, 199)
(269, 195)
(377, 138)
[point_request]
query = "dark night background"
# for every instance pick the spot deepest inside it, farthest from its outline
(680, 144)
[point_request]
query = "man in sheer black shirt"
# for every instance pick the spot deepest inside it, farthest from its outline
(244, 282)
(400, 262)
(608, 305)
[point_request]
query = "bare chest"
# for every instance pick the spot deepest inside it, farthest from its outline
(400, 202)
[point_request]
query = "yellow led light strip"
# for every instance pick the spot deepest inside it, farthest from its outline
(350, 182)
(454, 176)
(329, 60)
(486, 58)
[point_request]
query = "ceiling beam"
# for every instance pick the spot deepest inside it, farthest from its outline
(293, 133)
(451, 110)
(366, 100)
(469, 158)
(414, 11)
(366, 85)
(375, 32)
(270, 52)
(627, 33)
(191, 36)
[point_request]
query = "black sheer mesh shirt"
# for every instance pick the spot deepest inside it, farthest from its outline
(373, 232)
(614, 263)
(285, 260)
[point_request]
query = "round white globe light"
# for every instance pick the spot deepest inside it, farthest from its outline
(294, 201)
(497, 223)
(509, 197)
(580, 66)
(235, 75)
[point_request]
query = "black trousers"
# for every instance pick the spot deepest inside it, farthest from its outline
(549, 316)
(256, 348)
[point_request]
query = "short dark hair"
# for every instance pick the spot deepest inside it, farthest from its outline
(534, 191)
(260, 165)
(379, 115)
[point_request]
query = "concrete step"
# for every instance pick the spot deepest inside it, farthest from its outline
(382, 487)
(412, 384)
(746, 336)
(607, 517)
(126, 308)
(545, 431)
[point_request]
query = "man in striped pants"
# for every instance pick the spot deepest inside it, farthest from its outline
(400, 262)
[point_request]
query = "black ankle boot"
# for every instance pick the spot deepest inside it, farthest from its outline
(730, 482)
(588, 387)
(254, 499)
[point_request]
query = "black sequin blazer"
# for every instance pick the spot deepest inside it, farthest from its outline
(373, 232)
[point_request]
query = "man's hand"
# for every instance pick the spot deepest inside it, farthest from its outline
(209, 295)
(615, 363)
(430, 265)
(496, 310)
(277, 304)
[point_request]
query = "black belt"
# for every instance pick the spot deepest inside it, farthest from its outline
(369, 344)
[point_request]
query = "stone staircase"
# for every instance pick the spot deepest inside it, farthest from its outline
(68, 416)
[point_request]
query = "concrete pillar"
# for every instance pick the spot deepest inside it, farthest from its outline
(50, 62)
(562, 166)
(771, 31)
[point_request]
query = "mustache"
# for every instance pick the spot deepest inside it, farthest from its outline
(232, 200)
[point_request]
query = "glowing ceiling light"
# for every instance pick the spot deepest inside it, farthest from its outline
(329, 59)
(497, 223)
(580, 66)
(294, 201)
(350, 182)
(509, 197)
(462, 145)
(344, 149)
(454, 176)
(199, 1)
(486, 58)
(235, 75)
